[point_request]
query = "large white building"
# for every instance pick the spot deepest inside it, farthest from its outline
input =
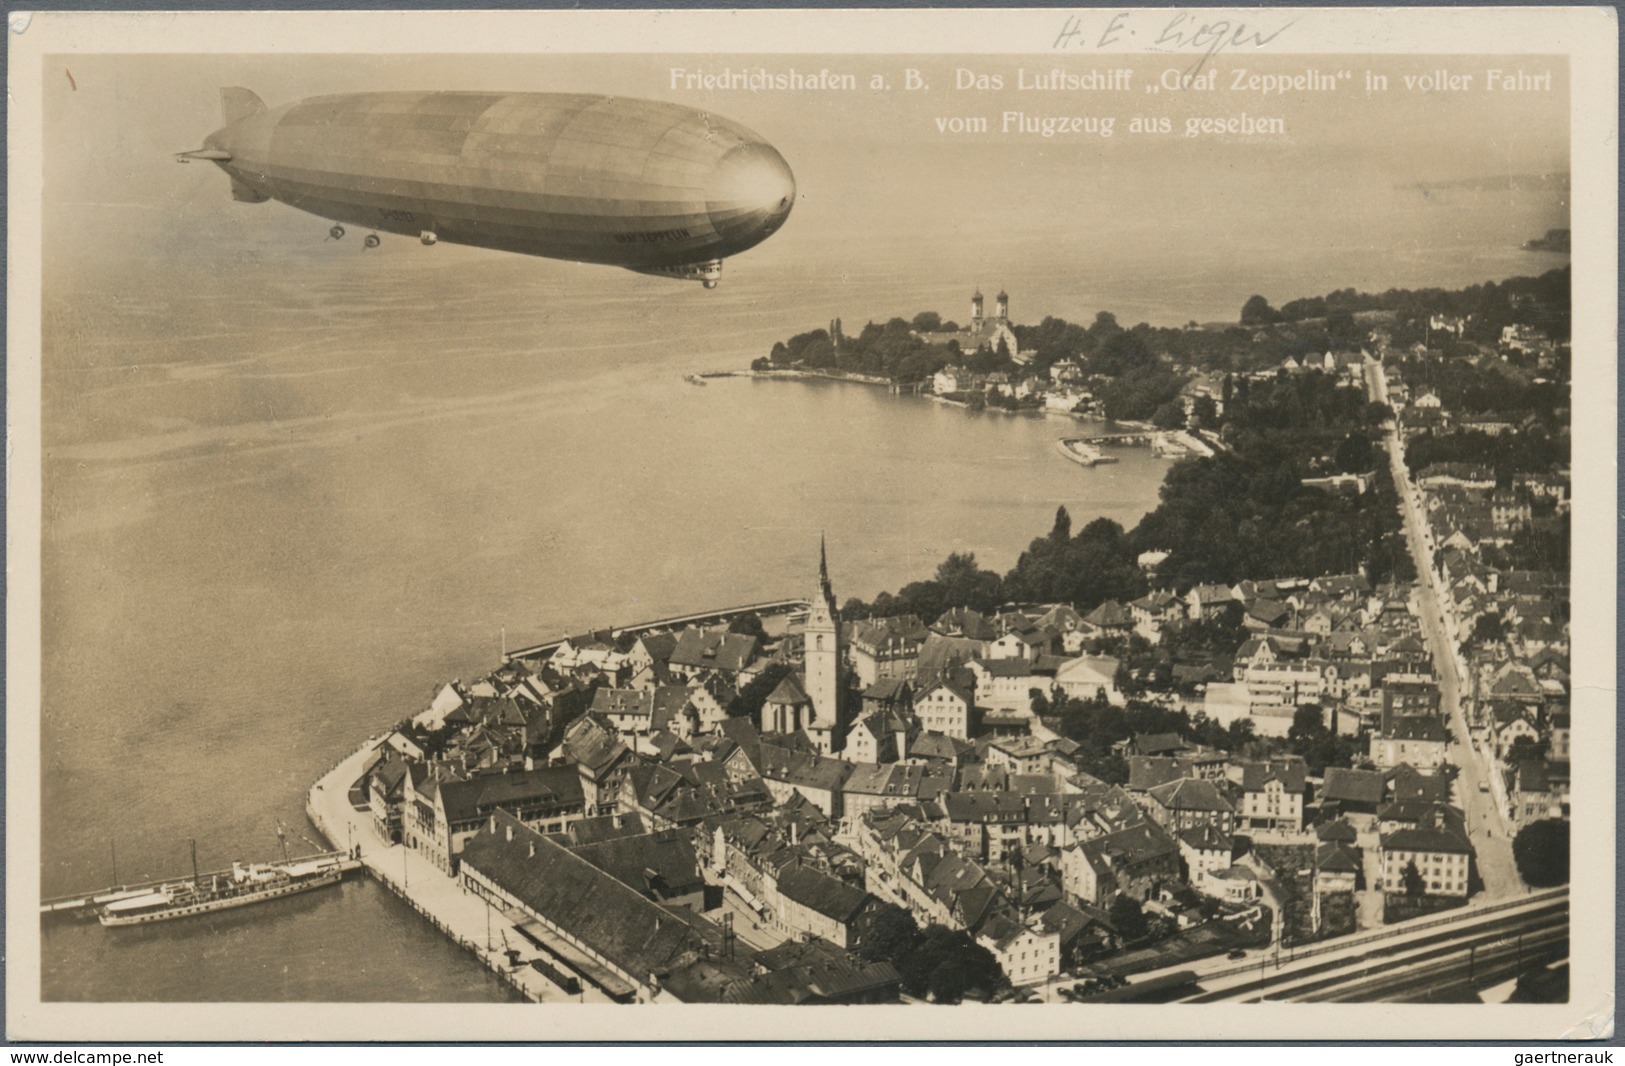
(1442, 858)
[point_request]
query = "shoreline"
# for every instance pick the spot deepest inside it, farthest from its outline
(802, 375)
(445, 900)
(442, 901)
(918, 389)
(441, 898)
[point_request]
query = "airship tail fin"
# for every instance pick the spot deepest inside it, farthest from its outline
(238, 103)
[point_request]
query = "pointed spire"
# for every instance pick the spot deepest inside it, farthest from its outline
(823, 568)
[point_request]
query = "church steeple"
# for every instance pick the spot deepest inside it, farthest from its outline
(821, 658)
(823, 571)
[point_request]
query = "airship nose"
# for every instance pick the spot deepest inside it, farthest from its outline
(749, 194)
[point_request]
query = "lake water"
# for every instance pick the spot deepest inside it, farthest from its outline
(233, 604)
(291, 488)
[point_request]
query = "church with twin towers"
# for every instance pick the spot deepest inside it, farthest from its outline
(984, 330)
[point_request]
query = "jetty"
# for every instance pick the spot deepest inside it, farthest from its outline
(1165, 443)
(722, 616)
(1083, 452)
(1126, 437)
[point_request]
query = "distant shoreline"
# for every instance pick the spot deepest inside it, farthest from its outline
(919, 390)
(801, 375)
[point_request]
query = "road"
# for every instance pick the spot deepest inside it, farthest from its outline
(748, 925)
(1476, 794)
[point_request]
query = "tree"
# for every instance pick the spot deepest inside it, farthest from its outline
(1375, 414)
(749, 624)
(1128, 917)
(947, 962)
(748, 702)
(1258, 312)
(986, 361)
(1169, 416)
(964, 584)
(1105, 326)
(1415, 886)
(927, 322)
(1308, 724)
(886, 933)
(819, 353)
(1239, 733)
(1541, 850)
(1354, 454)
(1061, 532)
(854, 609)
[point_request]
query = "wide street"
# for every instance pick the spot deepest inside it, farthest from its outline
(1476, 793)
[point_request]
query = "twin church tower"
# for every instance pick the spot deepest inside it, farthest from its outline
(1001, 311)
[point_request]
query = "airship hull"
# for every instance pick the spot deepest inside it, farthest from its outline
(639, 184)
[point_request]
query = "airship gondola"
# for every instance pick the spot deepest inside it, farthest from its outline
(653, 187)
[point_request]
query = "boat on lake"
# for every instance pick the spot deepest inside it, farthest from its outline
(243, 886)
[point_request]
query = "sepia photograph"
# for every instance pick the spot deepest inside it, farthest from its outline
(1071, 515)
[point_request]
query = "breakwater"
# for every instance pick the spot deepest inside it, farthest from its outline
(768, 608)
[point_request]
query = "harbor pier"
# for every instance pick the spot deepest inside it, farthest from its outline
(487, 932)
(721, 616)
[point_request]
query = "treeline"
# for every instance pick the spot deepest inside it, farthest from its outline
(1542, 545)
(1240, 514)
(1543, 302)
(1466, 388)
(890, 350)
(1532, 451)
(1096, 726)
(1134, 358)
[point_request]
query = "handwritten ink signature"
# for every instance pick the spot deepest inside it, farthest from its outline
(1183, 31)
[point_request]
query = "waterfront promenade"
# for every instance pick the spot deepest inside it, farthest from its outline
(465, 918)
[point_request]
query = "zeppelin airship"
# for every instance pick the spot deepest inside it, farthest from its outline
(652, 187)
